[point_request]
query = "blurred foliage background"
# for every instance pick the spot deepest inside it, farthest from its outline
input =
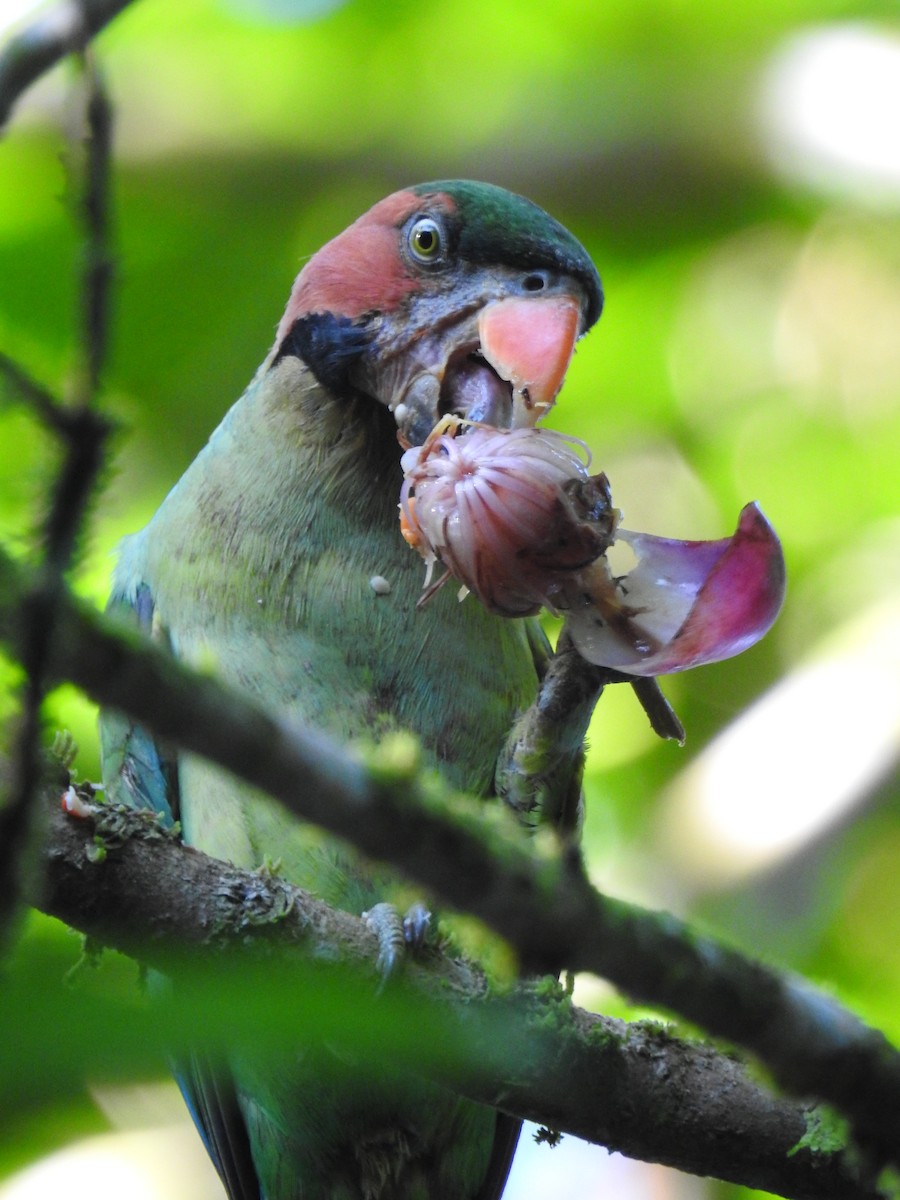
(735, 173)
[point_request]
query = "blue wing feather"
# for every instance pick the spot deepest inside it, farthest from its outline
(506, 1138)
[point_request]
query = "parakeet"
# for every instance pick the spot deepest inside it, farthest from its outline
(277, 562)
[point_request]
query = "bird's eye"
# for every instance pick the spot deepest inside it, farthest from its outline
(426, 241)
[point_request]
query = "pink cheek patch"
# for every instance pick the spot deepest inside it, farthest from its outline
(359, 271)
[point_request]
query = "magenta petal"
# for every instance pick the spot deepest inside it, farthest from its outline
(689, 602)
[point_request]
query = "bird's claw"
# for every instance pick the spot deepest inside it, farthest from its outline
(397, 935)
(416, 924)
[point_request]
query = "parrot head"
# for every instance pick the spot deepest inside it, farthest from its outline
(453, 297)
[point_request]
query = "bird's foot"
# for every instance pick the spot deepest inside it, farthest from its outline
(397, 935)
(539, 770)
(538, 773)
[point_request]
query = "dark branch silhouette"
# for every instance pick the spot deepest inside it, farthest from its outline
(64, 29)
(83, 435)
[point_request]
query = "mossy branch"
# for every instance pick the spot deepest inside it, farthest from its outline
(254, 958)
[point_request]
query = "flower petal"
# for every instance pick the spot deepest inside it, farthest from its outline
(684, 603)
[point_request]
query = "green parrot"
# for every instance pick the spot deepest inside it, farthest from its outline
(277, 561)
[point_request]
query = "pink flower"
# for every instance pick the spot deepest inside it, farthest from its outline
(516, 517)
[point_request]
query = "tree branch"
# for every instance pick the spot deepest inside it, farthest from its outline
(542, 904)
(117, 876)
(65, 29)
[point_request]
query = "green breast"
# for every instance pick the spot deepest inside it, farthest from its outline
(261, 562)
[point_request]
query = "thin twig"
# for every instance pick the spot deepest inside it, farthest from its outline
(95, 213)
(25, 388)
(84, 431)
(64, 29)
(662, 717)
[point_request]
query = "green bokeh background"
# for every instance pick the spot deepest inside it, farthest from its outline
(749, 349)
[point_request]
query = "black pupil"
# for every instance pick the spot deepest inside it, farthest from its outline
(426, 240)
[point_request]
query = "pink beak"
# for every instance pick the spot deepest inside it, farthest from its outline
(529, 341)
